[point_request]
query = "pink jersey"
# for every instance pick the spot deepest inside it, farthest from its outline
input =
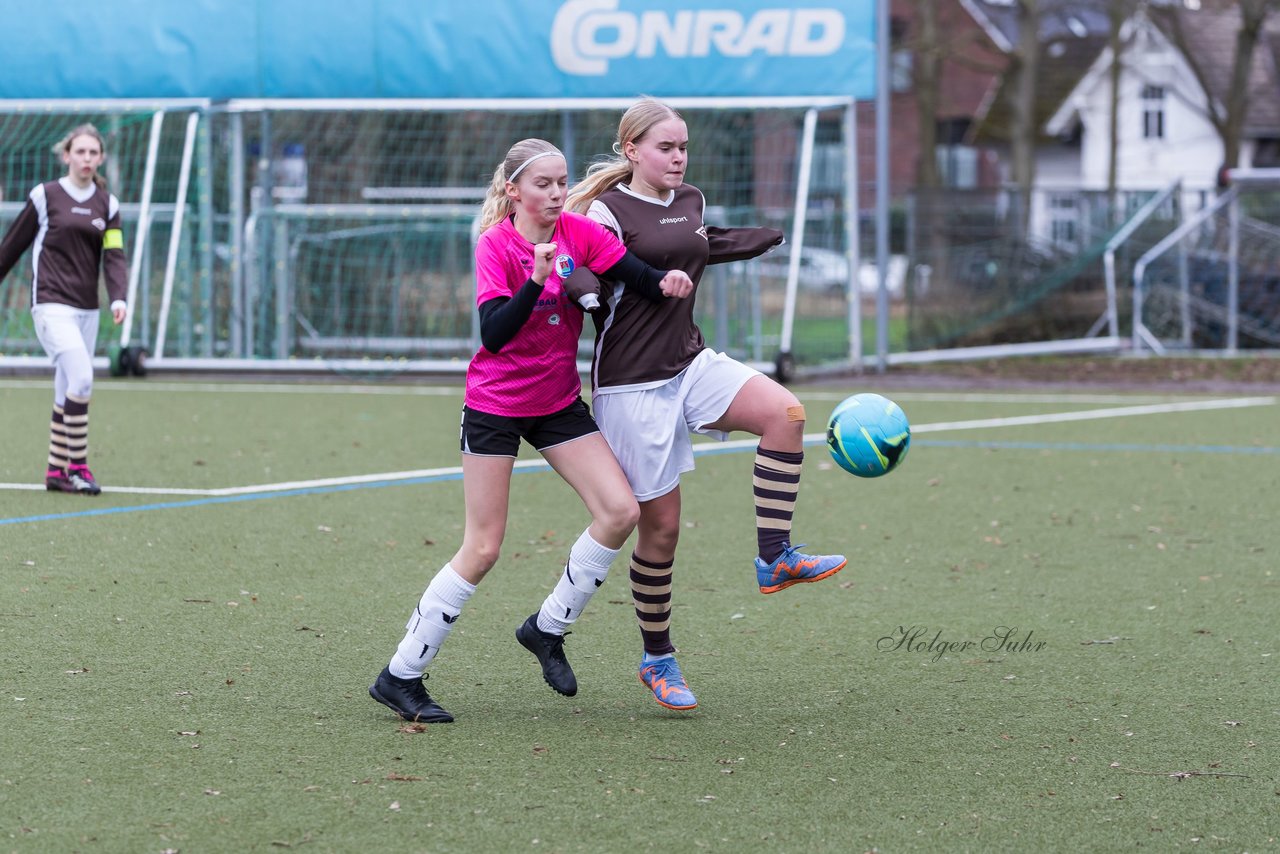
(536, 372)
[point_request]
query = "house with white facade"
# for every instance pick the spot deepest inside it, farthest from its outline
(1164, 133)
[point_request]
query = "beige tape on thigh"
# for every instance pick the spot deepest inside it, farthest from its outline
(795, 413)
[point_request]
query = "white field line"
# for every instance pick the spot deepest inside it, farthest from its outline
(708, 447)
(457, 390)
(1094, 414)
(258, 388)
(1001, 397)
(319, 483)
(1047, 418)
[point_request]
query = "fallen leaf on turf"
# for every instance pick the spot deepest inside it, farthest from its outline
(403, 778)
(413, 728)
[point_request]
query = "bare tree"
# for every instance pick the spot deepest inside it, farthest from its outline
(1119, 13)
(925, 73)
(1024, 73)
(1227, 105)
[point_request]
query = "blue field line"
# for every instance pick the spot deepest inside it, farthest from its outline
(701, 449)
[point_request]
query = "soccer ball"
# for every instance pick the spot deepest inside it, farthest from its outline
(868, 435)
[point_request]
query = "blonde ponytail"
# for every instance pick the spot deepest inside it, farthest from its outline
(600, 178)
(497, 206)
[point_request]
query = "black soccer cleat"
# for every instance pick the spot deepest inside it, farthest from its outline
(549, 649)
(408, 698)
(77, 479)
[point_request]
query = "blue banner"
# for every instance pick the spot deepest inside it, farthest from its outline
(436, 49)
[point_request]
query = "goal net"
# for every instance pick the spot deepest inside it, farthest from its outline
(1212, 284)
(322, 236)
(361, 222)
(28, 134)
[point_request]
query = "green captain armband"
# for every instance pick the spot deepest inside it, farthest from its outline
(112, 238)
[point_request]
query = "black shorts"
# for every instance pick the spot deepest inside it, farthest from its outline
(488, 435)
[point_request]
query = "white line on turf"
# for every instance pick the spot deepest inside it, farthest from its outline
(285, 486)
(1094, 414)
(711, 447)
(1046, 418)
(1001, 397)
(456, 390)
(257, 388)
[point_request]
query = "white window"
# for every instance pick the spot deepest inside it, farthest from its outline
(1063, 216)
(1153, 112)
(900, 57)
(958, 166)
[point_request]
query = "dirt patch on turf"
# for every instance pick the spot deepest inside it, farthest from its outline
(1254, 375)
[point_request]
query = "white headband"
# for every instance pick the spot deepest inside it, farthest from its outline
(530, 160)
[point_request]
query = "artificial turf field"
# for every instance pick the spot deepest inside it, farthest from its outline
(185, 667)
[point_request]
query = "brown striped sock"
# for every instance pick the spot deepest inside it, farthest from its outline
(775, 482)
(651, 594)
(75, 416)
(57, 440)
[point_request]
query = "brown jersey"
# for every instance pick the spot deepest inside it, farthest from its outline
(70, 237)
(640, 343)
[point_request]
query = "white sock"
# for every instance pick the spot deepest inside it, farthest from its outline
(583, 574)
(650, 659)
(431, 623)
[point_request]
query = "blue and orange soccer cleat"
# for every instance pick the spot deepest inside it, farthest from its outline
(795, 567)
(663, 677)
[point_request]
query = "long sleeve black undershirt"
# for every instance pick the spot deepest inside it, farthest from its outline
(502, 317)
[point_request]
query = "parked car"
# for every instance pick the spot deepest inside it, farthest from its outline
(821, 270)
(825, 271)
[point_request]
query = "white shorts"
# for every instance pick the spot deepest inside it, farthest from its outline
(63, 327)
(649, 429)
